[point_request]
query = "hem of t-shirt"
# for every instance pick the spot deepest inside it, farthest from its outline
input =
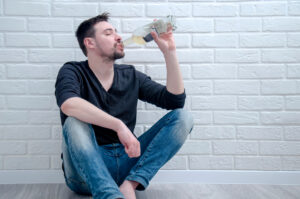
(64, 97)
(179, 96)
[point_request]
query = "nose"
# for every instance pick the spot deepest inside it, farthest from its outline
(118, 38)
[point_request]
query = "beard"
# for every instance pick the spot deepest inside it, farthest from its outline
(115, 55)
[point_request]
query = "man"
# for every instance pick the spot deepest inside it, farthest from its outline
(98, 100)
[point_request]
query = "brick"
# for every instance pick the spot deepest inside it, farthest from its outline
(15, 7)
(237, 56)
(210, 162)
(198, 87)
(195, 147)
(202, 117)
(65, 41)
(263, 9)
(279, 148)
(42, 87)
(143, 56)
(237, 118)
(215, 41)
(44, 147)
(23, 71)
(293, 71)
(290, 163)
(260, 103)
(50, 24)
(22, 162)
(162, 10)
(259, 133)
(13, 87)
(177, 162)
(293, 40)
(51, 55)
(44, 117)
(214, 71)
(10, 55)
(138, 131)
(149, 117)
(213, 132)
(194, 25)
(215, 10)
(239, 87)
(235, 148)
(2, 71)
(292, 133)
(123, 9)
(214, 103)
(129, 25)
(56, 162)
(292, 103)
(12, 147)
(28, 102)
(26, 132)
(281, 56)
(281, 118)
(159, 72)
(2, 102)
(261, 71)
(74, 9)
(195, 55)
(258, 163)
(1, 40)
(56, 132)
(280, 87)
(281, 24)
(263, 40)
(237, 25)
(27, 40)
(294, 8)
(12, 24)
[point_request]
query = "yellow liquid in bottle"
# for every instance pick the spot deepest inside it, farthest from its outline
(134, 39)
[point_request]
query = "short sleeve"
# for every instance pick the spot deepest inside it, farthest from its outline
(67, 84)
(157, 94)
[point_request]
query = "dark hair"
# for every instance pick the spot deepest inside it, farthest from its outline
(86, 29)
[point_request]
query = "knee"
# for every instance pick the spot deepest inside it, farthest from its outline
(74, 124)
(185, 118)
(76, 131)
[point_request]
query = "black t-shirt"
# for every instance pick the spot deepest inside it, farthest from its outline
(76, 79)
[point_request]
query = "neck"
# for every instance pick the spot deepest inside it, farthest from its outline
(102, 68)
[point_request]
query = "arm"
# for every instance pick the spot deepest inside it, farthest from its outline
(166, 44)
(87, 112)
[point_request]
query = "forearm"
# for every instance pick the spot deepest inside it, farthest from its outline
(87, 112)
(174, 76)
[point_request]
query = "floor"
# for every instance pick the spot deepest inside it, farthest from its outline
(160, 191)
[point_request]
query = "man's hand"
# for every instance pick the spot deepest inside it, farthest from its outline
(165, 41)
(131, 144)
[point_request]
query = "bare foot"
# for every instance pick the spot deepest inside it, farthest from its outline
(127, 188)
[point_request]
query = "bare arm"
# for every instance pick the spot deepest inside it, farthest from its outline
(87, 112)
(166, 44)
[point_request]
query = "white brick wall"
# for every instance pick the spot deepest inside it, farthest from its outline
(240, 61)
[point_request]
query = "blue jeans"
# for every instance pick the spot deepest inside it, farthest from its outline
(96, 170)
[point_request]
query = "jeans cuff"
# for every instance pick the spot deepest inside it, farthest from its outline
(143, 183)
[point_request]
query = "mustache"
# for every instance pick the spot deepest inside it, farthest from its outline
(118, 43)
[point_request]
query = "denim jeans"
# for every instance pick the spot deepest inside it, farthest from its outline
(95, 170)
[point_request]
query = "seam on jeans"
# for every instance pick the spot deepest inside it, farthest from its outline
(82, 170)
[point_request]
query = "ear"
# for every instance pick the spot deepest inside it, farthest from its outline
(89, 42)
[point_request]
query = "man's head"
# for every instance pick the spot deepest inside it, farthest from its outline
(96, 35)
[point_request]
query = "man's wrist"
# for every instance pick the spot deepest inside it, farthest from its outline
(118, 125)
